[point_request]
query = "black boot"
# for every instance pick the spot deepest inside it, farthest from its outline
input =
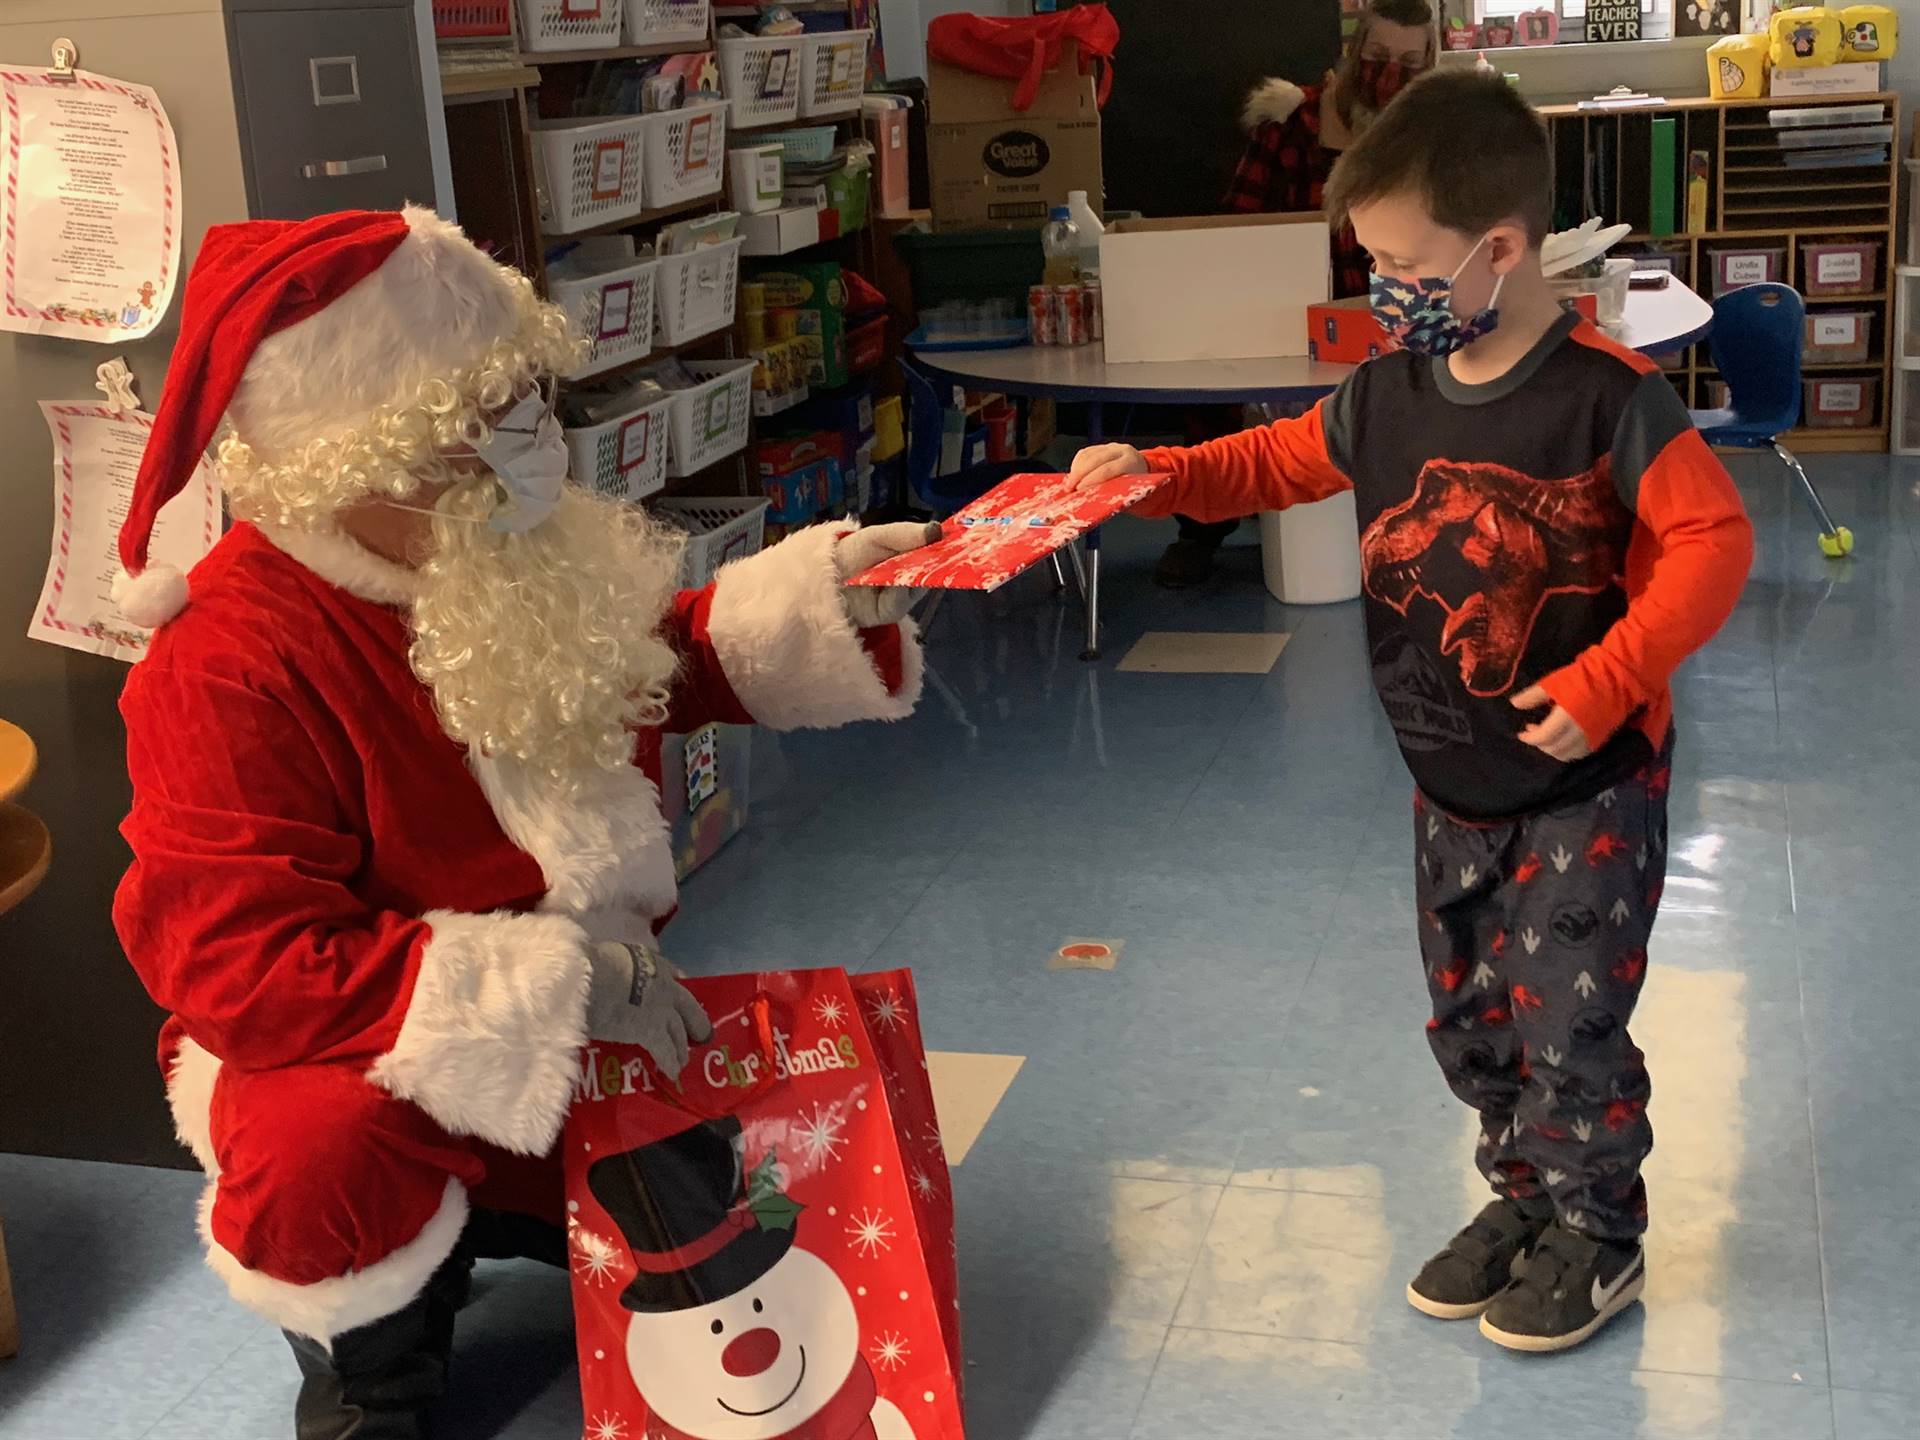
(382, 1380)
(508, 1235)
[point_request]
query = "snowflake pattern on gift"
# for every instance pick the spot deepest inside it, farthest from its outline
(870, 1233)
(594, 1256)
(828, 1010)
(820, 1136)
(888, 1011)
(607, 1426)
(923, 1184)
(890, 1350)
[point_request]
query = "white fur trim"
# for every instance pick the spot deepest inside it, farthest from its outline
(331, 1307)
(499, 1009)
(151, 598)
(1271, 102)
(190, 1096)
(342, 561)
(433, 307)
(605, 849)
(791, 654)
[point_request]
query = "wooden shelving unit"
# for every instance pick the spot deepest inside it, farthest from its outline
(1604, 167)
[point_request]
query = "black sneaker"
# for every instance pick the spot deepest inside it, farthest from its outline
(1186, 564)
(1479, 1262)
(1573, 1285)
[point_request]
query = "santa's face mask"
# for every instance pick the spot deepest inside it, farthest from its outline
(527, 452)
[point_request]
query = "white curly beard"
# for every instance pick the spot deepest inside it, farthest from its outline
(545, 647)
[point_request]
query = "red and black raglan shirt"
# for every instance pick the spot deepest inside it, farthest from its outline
(1563, 525)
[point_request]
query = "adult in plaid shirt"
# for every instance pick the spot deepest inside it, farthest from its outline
(1295, 133)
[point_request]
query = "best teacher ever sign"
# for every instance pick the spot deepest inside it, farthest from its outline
(1612, 20)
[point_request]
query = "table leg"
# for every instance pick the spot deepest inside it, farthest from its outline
(1096, 434)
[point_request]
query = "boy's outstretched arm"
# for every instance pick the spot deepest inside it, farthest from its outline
(1686, 567)
(1269, 467)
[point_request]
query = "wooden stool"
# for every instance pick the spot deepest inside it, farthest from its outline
(26, 850)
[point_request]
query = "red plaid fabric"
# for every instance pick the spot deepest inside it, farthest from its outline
(1285, 169)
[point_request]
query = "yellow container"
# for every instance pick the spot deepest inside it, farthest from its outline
(1806, 38)
(889, 434)
(1869, 32)
(1737, 67)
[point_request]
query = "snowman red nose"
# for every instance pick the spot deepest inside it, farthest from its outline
(752, 1354)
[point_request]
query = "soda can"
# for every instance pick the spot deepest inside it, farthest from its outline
(1040, 320)
(1091, 305)
(1068, 318)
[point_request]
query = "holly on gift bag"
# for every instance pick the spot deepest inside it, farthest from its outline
(748, 1262)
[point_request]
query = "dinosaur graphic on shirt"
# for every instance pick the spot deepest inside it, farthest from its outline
(1490, 546)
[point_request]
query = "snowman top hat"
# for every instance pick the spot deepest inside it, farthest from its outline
(697, 1232)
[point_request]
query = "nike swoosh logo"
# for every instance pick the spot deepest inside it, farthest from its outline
(1603, 1295)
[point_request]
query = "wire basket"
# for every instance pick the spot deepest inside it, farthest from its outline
(613, 310)
(625, 457)
(761, 76)
(719, 529)
(697, 292)
(589, 171)
(686, 154)
(833, 71)
(463, 19)
(667, 22)
(547, 25)
(708, 422)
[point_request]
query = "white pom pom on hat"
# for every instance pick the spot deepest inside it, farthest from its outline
(151, 598)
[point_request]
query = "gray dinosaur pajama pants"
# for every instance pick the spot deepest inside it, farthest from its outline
(1534, 935)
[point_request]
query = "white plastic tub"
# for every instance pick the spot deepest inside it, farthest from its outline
(686, 154)
(667, 22)
(1309, 552)
(761, 77)
(613, 310)
(549, 25)
(719, 529)
(589, 171)
(698, 292)
(625, 457)
(833, 72)
(709, 421)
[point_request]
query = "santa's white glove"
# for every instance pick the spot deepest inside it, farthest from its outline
(867, 607)
(635, 1000)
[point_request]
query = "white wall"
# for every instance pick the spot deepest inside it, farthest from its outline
(905, 25)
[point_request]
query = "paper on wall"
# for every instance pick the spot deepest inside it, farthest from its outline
(96, 454)
(89, 206)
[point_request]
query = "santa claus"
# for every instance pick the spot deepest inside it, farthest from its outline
(395, 749)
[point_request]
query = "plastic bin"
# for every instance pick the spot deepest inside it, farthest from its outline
(1841, 267)
(1308, 554)
(625, 457)
(833, 72)
(696, 293)
(1815, 117)
(1839, 337)
(709, 421)
(719, 529)
(460, 19)
(547, 25)
(812, 145)
(614, 310)
(1749, 265)
(589, 171)
(761, 77)
(667, 22)
(972, 265)
(686, 154)
(1849, 403)
(1608, 289)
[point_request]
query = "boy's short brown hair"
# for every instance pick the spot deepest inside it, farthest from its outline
(1467, 145)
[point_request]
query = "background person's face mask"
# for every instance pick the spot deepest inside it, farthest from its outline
(1375, 82)
(1418, 315)
(527, 452)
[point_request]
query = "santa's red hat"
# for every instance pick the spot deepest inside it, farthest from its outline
(301, 329)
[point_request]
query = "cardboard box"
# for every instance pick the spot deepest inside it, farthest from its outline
(1859, 78)
(1217, 287)
(705, 794)
(777, 232)
(1344, 332)
(992, 167)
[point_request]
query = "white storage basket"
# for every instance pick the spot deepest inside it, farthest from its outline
(613, 310)
(761, 77)
(667, 22)
(833, 72)
(625, 457)
(548, 25)
(709, 421)
(719, 529)
(697, 292)
(686, 154)
(590, 171)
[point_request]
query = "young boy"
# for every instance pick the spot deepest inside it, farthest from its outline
(1544, 538)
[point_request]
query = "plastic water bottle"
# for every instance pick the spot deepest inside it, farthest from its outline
(1060, 242)
(1090, 228)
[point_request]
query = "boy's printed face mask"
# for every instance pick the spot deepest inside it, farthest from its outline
(1375, 82)
(1418, 315)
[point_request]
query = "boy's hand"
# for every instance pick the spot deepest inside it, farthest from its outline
(1559, 735)
(1098, 464)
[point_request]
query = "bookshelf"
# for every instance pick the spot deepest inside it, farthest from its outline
(1605, 164)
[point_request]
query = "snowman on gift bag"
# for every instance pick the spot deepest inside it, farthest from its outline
(737, 1333)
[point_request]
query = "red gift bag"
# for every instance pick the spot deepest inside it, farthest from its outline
(749, 1258)
(1025, 47)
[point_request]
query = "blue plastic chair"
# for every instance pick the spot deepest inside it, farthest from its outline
(942, 494)
(1758, 333)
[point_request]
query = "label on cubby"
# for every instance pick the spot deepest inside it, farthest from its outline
(1830, 331)
(1749, 269)
(1845, 267)
(633, 442)
(1835, 397)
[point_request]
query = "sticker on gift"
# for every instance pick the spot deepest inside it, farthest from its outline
(609, 169)
(703, 766)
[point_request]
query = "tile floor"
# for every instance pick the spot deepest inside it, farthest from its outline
(1191, 1214)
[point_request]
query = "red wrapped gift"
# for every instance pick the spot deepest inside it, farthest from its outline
(766, 1252)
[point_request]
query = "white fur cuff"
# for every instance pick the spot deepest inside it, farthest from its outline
(780, 628)
(489, 1042)
(190, 1083)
